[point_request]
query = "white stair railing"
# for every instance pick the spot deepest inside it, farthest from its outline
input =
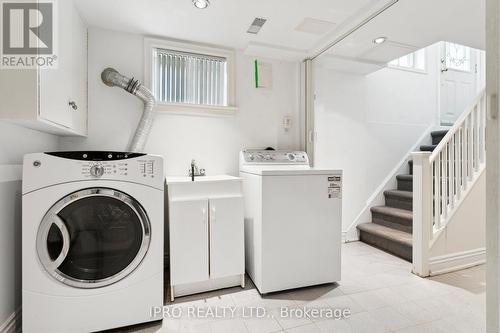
(442, 178)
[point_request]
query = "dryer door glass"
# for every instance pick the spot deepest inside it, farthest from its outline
(93, 238)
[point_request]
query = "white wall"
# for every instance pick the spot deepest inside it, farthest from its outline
(14, 143)
(465, 232)
(214, 141)
(366, 124)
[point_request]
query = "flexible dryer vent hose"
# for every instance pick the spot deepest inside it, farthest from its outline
(113, 78)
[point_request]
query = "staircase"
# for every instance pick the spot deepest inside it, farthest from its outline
(392, 224)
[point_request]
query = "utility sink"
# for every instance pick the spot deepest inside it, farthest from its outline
(182, 187)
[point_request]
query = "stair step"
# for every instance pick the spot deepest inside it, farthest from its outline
(410, 164)
(405, 182)
(437, 136)
(428, 147)
(391, 240)
(395, 218)
(399, 199)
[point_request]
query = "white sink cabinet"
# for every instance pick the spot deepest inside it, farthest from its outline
(206, 230)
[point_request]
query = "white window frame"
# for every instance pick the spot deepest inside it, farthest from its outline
(184, 108)
(444, 57)
(412, 69)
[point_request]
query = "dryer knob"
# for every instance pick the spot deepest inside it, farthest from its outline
(96, 170)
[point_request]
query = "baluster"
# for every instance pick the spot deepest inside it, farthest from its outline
(470, 148)
(444, 180)
(482, 119)
(476, 138)
(465, 151)
(437, 189)
(451, 174)
(459, 161)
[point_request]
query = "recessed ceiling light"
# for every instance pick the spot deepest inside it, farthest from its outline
(201, 4)
(379, 40)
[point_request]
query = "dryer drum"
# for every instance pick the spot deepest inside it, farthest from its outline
(93, 237)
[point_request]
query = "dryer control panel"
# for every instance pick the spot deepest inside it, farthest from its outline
(123, 165)
(255, 156)
(59, 167)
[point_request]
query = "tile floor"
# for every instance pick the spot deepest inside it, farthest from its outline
(378, 288)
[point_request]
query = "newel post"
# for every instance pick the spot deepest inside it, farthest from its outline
(422, 212)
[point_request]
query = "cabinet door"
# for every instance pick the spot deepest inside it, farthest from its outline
(227, 247)
(78, 93)
(188, 241)
(55, 84)
(68, 83)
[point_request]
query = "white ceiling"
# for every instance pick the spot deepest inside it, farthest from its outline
(409, 24)
(225, 22)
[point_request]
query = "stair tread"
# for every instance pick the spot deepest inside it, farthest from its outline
(427, 147)
(404, 177)
(399, 194)
(398, 212)
(439, 133)
(395, 235)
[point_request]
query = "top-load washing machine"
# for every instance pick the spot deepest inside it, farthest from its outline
(92, 240)
(293, 220)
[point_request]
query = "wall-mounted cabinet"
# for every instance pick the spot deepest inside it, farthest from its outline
(206, 233)
(52, 100)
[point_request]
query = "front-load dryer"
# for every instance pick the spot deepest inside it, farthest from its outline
(92, 240)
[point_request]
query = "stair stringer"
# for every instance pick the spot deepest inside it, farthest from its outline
(377, 198)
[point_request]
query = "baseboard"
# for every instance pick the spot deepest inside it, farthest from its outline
(12, 324)
(456, 261)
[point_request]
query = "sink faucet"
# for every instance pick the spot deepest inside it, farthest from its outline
(195, 171)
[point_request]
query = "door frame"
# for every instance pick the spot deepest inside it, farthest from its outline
(309, 97)
(492, 166)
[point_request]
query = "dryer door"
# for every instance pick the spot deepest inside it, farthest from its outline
(93, 238)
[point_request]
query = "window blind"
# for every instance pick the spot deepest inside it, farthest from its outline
(182, 77)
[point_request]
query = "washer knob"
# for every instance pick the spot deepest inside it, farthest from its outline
(97, 171)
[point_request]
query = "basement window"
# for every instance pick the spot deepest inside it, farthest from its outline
(190, 78)
(414, 61)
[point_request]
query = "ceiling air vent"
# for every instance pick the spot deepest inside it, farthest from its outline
(256, 25)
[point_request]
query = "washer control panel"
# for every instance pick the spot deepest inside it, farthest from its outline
(251, 156)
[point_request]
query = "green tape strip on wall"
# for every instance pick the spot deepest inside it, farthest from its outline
(256, 65)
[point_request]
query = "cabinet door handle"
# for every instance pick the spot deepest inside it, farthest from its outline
(73, 105)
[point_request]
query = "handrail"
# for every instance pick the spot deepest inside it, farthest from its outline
(442, 179)
(457, 124)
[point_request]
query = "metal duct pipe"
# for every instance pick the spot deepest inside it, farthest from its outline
(111, 77)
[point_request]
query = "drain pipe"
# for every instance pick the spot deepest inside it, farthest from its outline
(111, 77)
